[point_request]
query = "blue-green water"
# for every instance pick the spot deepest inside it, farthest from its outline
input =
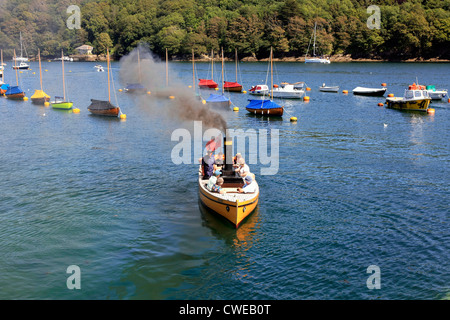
(358, 185)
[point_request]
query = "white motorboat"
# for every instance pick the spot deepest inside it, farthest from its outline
(259, 90)
(325, 88)
(289, 90)
(436, 94)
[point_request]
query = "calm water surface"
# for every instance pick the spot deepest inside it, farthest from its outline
(357, 185)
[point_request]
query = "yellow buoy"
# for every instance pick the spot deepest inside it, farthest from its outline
(123, 116)
(308, 89)
(204, 101)
(235, 109)
(345, 91)
(148, 92)
(293, 119)
(189, 86)
(120, 90)
(76, 110)
(244, 91)
(34, 72)
(305, 98)
(380, 104)
(46, 103)
(46, 70)
(216, 89)
(390, 95)
(25, 98)
(431, 110)
(21, 72)
(171, 97)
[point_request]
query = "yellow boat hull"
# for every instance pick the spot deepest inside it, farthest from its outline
(408, 105)
(234, 211)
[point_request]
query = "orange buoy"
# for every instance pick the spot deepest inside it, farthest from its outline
(449, 100)
(308, 89)
(430, 111)
(380, 104)
(390, 95)
(305, 98)
(344, 91)
(383, 84)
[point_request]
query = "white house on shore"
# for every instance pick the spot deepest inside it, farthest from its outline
(84, 49)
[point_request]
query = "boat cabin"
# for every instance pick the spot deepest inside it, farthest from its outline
(415, 92)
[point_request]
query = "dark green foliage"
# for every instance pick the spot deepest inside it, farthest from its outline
(409, 29)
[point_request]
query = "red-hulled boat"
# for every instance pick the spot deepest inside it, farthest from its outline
(207, 84)
(232, 86)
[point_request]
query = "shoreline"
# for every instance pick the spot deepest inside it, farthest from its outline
(204, 58)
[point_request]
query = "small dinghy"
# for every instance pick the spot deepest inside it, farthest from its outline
(375, 92)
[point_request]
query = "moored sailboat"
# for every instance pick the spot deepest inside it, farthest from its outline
(102, 107)
(219, 101)
(61, 102)
(15, 92)
(315, 59)
(266, 107)
(233, 86)
(39, 96)
(209, 83)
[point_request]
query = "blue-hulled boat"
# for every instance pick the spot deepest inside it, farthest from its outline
(14, 92)
(264, 107)
(135, 88)
(218, 101)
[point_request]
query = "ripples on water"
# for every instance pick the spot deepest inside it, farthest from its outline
(357, 185)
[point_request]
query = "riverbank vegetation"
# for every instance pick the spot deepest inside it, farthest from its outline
(408, 29)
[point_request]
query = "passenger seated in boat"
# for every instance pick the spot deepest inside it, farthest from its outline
(249, 185)
(236, 159)
(213, 180)
(243, 168)
(208, 165)
(218, 186)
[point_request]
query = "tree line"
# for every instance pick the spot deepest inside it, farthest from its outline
(408, 29)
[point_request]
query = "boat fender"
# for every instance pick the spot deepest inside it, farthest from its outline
(228, 208)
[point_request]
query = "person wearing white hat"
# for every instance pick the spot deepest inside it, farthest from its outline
(249, 185)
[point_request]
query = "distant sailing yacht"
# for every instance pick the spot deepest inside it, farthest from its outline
(21, 60)
(60, 102)
(39, 96)
(315, 59)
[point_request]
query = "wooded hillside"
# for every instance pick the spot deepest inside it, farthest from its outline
(409, 29)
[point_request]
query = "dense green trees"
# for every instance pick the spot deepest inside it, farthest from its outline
(409, 29)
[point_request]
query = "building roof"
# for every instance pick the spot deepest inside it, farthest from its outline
(84, 47)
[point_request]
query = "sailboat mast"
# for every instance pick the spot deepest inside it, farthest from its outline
(21, 45)
(222, 71)
(193, 71)
(1, 65)
(212, 64)
(64, 83)
(236, 59)
(271, 74)
(40, 70)
(15, 67)
(167, 70)
(139, 66)
(107, 62)
(314, 45)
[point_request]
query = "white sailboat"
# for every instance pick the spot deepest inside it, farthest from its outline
(315, 59)
(21, 58)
